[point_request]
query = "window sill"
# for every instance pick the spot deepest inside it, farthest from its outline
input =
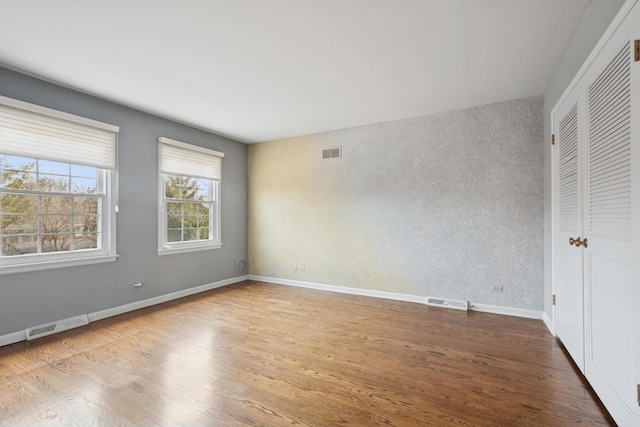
(184, 250)
(49, 265)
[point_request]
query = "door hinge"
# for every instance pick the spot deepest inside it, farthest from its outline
(553, 139)
(636, 50)
(638, 394)
(554, 300)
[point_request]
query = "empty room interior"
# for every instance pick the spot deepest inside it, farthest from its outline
(319, 213)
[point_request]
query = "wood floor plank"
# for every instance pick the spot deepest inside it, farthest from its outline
(257, 354)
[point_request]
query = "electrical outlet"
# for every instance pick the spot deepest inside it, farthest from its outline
(137, 285)
(295, 268)
(496, 288)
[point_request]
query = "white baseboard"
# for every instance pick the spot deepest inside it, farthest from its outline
(508, 311)
(341, 289)
(12, 338)
(103, 314)
(114, 311)
(15, 337)
(486, 308)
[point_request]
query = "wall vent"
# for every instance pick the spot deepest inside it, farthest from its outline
(332, 153)
(448, 303)
(55, 327)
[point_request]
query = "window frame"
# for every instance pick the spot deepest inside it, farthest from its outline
(107, 225)
(165, 247)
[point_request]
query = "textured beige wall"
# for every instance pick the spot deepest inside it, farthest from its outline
(442, 205)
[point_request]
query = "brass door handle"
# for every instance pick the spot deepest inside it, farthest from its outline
(579, 242)
(572, 240)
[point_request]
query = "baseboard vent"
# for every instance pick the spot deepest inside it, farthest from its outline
(55, 327)
(448, 303)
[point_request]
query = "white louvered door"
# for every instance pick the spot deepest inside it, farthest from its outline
(569, 284)
(598, 124)
(611, 361)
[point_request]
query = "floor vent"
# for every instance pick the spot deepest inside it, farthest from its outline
(55, 327)
(448, 303)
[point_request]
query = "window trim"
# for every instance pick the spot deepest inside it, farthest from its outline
(165, 248)
(12, 265)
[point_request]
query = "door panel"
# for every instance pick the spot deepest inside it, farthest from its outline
(609, 270)
(569, 283)
(611, 342)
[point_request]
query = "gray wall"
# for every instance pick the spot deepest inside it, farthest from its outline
(29, 299)
(443, 205)
(593, 23)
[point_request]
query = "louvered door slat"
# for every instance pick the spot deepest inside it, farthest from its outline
(609, 97)
(609, 176)
(612, 199)
(601, 84)
(613, 122)
(609, 160)
(568, 171)
(612, 141)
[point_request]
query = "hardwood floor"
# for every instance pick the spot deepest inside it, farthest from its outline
(267, 355)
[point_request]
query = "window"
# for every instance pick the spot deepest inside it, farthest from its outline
(189, 192)
(57, 189)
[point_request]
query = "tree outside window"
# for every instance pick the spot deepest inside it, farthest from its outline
(47, 207)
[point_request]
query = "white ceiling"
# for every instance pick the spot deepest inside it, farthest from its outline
(257, 70)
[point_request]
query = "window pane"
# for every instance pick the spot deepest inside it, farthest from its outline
(174, 221)
(17, 203)
(55, 224)
(173, 186)
(84, 171)
(174, 235)
(204, 189)
(18, 180)
(17, 163)
(189, 188)
(18, 224)
(55, 204)
(174, 208)
(85, 205)
(203, 220)
(203, 209)
(203, 233)
(55, 168)
(85, 241)
(84, 185)
(19, 245)
(85, 223)
(56, 183)
(190, 221)
(190, 234)
(56, 243)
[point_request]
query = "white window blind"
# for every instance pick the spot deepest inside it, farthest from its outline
(32, 131)
(178, 158)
